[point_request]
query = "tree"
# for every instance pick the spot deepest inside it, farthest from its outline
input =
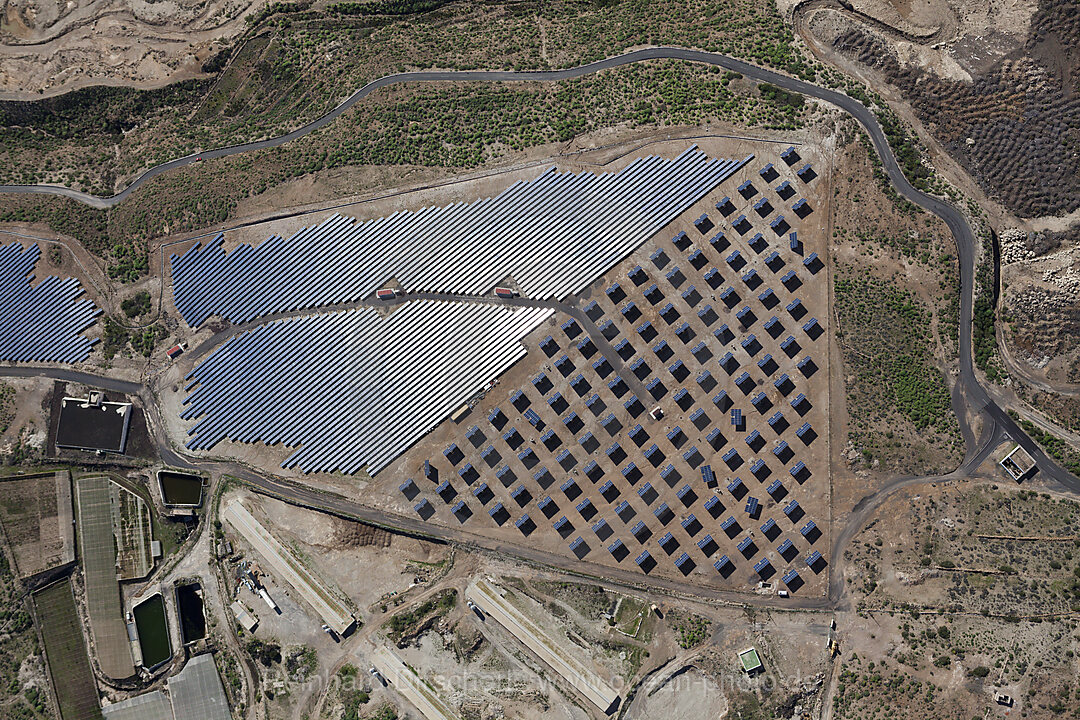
(136, 305)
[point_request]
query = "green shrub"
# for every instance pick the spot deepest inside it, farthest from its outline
(136, 305)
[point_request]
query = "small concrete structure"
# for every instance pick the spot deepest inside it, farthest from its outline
(243, 617)
(1018, 464)
(751, 662)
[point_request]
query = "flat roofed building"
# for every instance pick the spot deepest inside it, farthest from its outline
(750, 661)
(243, 617)
(93, 424)
(196, 692)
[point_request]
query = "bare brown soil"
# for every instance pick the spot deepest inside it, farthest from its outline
(952, 608)
(879, 238)
(50, 47)
(1013, 126)
(31, 519)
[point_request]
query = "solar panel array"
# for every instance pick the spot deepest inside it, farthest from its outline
(353, 388)
(43, 322)
(554, 235)
(579, 414)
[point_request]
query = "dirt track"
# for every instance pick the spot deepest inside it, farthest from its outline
(48, 49)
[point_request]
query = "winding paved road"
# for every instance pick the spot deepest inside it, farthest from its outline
(974, 396)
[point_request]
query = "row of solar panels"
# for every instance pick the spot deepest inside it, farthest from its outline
(603, 530)
(640, 369)
(353, 388)
(554, 235)
(549, 507)
(549, 438)
(41, 323)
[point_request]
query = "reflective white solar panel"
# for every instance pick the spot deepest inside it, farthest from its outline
(353, 389)
(554, 235)
(43, 322)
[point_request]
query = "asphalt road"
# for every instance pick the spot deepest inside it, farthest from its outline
(974, 395)
(97, 381)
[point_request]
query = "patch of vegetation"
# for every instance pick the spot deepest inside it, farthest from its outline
(983, 333)
(860, 690)
(64, 215)
(907, 153)
(590, 601)
(354, 702)
(116, 339)
(7, 406)
(976, 532)
(386, 7)
(301, 662)
(1057, 448)
(406, 622)
(129, 263)
(747, 706)
(137, 304)
(781, 97)
(230, 670)
(353, 698)
(386, 712)
(267, 652)
(885, 334)
(690, 630)
(276, 8)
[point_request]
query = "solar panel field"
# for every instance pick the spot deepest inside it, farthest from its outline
(669, 416)
(553, 234)
(348, 407)
(40, 322)
(681, 429)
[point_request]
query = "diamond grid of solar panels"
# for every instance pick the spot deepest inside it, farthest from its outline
(554, 235)
(353, 388)
(712, 486)
(41, 323)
